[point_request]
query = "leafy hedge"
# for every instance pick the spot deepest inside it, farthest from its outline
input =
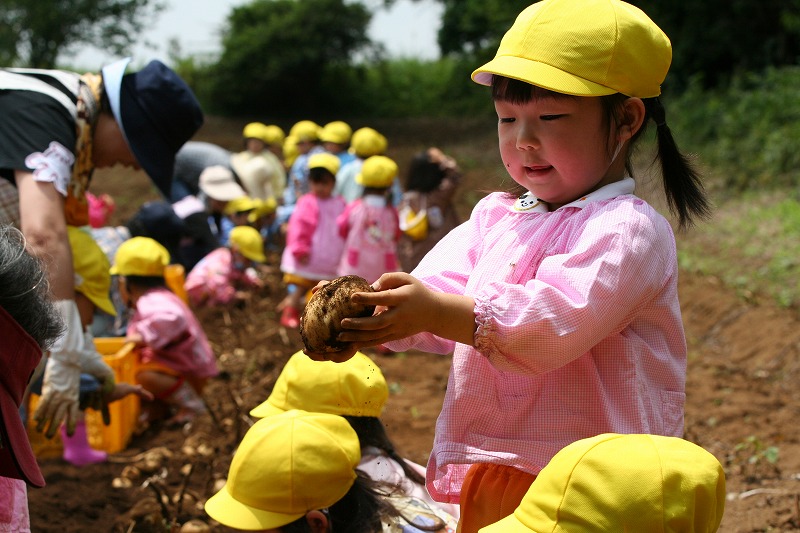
(748, 133)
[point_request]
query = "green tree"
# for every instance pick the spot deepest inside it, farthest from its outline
(35, 32)
(280, 56)
(716, 39)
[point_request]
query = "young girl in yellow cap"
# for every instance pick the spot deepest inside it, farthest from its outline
(370, 225)
(313, 244)
(558, 299)
(226, 275)
(176, 360)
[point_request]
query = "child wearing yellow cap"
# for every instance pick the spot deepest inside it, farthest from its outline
(227, 275)
(297, 471)
(617, 482)
(558, 298)
(357, 391)
(175, 355)
(313, 244)
(370, 225)
(98, 385)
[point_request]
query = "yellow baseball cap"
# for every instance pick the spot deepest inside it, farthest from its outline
(329, 162)
(140, 256)
(367, 142)
(353, 388)
(617, 482)
(287, 465)
(377, 171)
(587, 48)
(305, 130)
(91, 266)
(249, 242)
(240, 205)
(273, 134)
(254, 130)
(263, 208)
(336, 132)
(290, 151)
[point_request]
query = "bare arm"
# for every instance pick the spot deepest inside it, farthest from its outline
(43, 223)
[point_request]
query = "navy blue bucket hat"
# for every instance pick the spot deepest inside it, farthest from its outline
(157, 113)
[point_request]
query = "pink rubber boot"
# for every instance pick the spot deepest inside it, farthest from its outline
(76, 448)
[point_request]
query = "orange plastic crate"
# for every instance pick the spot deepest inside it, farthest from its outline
(124, 360)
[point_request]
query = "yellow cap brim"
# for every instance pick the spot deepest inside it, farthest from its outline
(266, 409)
(227, 510)
(539, 74)
(103, 303)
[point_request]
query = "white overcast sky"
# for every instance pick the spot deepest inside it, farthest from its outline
(408, 29)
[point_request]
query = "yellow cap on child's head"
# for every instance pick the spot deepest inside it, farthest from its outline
(90, 265)
(140, 256)
(367, 142)
(649, 483)
(273, 134)
(305, 130)
(263, 208)
(336, 132)
(243, 204)
(254, 130)
(587, 48)
(248, 241)
(377, 171)
(353, 388)
(329, 162)
(285, 466)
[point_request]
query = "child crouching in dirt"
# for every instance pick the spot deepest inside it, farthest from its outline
(176, 358)
(226, 275)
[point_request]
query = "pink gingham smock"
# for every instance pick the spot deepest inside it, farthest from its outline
(172, 335)
(579, 331)
(214, 280)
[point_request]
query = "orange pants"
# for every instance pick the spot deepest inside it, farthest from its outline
(490, 493)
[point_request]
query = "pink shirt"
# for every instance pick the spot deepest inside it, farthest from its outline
(14, 506)
(579, 331)
(313, 244)
(371, 230)
(173, 335)
(214, 280)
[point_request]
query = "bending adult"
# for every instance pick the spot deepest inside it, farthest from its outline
(57, 128)
(28, 325)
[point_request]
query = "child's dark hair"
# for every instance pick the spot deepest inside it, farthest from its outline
(371, 432)
(684, 191)
(423, 174)
(320, 175)
(360, 510)
(146, 282)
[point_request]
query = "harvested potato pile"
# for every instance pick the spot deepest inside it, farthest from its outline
(321, 321)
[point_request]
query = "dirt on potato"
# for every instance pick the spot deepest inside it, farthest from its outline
(742, 394)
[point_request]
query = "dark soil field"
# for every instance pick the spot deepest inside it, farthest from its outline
(742, 393)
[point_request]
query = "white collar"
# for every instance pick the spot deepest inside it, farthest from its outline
(528, 203)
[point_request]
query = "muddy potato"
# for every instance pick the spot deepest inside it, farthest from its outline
(322, 316)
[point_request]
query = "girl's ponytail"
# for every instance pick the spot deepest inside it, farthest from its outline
(685, 194)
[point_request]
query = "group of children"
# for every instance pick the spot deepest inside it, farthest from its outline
(558, 300)
(345, 219)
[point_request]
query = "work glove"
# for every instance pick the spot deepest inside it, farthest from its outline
(62, 375)
(93, 363)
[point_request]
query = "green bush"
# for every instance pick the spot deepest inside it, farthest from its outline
(748, 133)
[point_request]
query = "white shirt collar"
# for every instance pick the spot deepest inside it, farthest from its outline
(528, 203)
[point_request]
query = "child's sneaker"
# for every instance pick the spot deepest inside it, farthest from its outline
(290, 317)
